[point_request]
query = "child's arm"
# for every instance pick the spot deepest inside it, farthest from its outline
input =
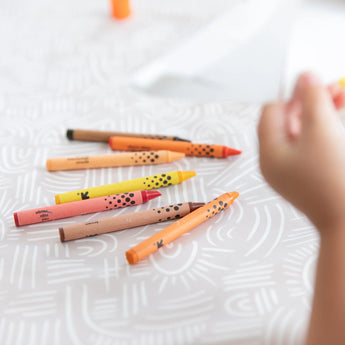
(302, 156)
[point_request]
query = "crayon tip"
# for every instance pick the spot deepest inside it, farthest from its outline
(62, 235)
(150, 194)
(342, 81)
(15, 216)
(57, 199)
(69, 134)
(132, 256)
(228, 151)
(176, 155)
(184, 175)
(232, 197)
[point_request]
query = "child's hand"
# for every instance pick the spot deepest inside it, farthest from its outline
(302, 151)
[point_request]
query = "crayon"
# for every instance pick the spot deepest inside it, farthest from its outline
(190, 149)
(120, 9)
(127, 221)
(77, 208)
(141, 183)
(180, 227)
(102, 136)
(113, 160)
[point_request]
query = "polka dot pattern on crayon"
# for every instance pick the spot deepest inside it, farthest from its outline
(122, 200)
(169, 212)
(215, 207)
(156, 181)
(142, 158)
(201, 150)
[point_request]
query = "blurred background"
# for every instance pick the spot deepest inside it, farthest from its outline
(44, 43)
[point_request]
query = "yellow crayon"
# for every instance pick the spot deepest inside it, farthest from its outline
(342, 81)
(113, 160)
(142, 183)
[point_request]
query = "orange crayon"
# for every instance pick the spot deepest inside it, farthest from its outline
(190, 149)
(104, 136)
(113, 160)
(120, 9)
(180, 227)
(127, 221)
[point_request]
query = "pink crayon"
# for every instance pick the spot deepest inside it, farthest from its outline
(77, 208)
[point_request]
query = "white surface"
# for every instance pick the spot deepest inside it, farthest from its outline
(227, 59)
(251, 53)
(244, 277)
(316, 41)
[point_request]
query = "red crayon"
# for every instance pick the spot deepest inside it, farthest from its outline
(77, 208)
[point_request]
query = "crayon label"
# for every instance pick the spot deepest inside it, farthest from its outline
(156, 181)
(200, 150)
(170, 212)
(215, 207)
(84, 195)
(159, 244)
(145, 157)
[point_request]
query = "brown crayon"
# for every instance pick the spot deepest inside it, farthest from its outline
(180, 227)
(127, 221)
(113, 160)
(104, 136)
(190, 149)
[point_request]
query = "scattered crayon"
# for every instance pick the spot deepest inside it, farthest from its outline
(180, 227)
(77, 208)
(102, 136)
(120, 9)
(113, 160)
(142, 183)
(127, 221)
(190, 149)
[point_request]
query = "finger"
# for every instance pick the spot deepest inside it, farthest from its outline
(337, 93)
(316, 102)
(339, 101)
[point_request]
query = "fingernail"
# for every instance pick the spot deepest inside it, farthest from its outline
(311, 79)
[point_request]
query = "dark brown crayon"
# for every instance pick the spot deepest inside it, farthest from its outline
(104, 136)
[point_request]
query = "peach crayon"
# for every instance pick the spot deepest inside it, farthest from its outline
(127, 221)
(113, 160)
